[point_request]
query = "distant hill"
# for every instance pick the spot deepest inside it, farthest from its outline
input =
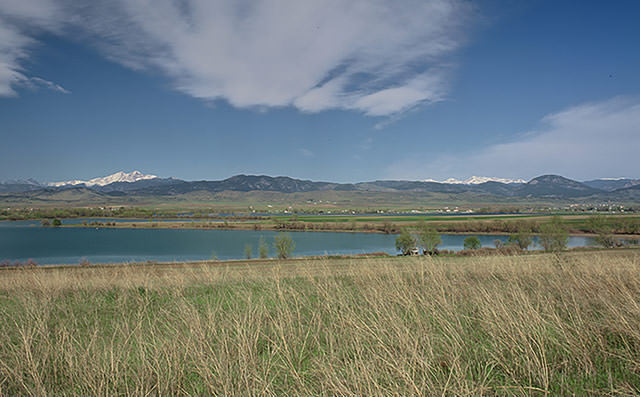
(626, 193)
(137, 185)
(555, 186)
(54, 194)
(491, 187)
(19, 186)
(241, 183)
(612, 184)
(545, 187)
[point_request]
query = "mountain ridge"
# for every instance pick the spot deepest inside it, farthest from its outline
(477, 180)
(119, 176)
(137, 184)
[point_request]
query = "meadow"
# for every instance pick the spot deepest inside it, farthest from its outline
(553, 323)
(578, 223)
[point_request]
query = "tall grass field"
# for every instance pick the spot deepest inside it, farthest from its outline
(539, 324)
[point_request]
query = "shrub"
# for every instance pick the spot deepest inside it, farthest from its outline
(284, 245)
(554, 235)
(522, 238)
(429, 238)
(263, 249)
(603, 229)
(472, 243)
(387, 228)
(405, 242)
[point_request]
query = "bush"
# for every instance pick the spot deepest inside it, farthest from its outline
(603, 229)
(522, 238)
(263, 249)
(554, 235)
(405, 242)
(429, 238)
(472, 243)
(387, 228)
(57, 222)
(284, 245)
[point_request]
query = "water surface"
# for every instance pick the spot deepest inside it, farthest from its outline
(23, 240)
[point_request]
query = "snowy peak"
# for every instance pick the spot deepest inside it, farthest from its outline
(476, 180)
(120, 176)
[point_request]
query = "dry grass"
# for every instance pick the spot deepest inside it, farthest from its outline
(396, 326)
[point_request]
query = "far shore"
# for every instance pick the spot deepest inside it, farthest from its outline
(169, 225)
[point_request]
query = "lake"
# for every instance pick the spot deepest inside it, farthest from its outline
(23, 240)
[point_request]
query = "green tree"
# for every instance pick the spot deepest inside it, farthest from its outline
(405, 242)
(603, 229)
(429, 238)
(248, 251)
(522, 238)
(472, 243)
(284, 245)
(554, 235)
(263, 249)
(57, 222)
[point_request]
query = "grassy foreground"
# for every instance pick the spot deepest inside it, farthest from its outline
(535, 324)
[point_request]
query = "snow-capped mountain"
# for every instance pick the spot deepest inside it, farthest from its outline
(476, 180)
(120, 176)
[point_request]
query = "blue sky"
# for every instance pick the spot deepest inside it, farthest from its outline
(326, 90)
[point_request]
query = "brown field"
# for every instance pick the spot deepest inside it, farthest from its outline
(565, 323)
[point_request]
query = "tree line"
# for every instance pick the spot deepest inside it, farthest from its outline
(552, 236)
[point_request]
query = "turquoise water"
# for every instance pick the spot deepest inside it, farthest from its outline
(23, 240)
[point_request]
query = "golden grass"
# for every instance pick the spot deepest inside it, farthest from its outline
(539, 324)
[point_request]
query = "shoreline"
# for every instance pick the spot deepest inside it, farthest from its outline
(480, 253)
(250, 227)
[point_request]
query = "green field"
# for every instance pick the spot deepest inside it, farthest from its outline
(537, 324)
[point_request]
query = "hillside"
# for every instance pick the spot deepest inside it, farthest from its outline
(546, 187)
(555, 186)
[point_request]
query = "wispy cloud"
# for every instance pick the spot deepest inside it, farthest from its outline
(587, 141)
(19, 21)
(37, 82)
(377, 57)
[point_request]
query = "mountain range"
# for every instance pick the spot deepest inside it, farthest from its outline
(138, 184)
(476, 180)
(120, 176)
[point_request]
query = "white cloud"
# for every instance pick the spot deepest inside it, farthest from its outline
(37, 82)
(588, 141)
(424, 88)
(378, 57)
(18, 21)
